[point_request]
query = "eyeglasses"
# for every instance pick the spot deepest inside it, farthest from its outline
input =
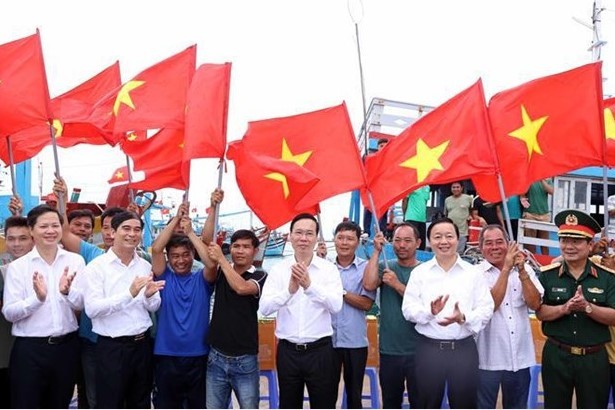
(307, 234)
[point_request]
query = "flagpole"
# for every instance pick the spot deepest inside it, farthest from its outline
(12, 164)
(505, 208)
(131, 192)
(216, 209)
(356, 17)
(61, 204)
(377, 226)
(321, 237)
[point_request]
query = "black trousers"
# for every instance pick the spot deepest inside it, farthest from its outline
(352, 362)
(43, 374)
(180, 382)
(124, 372)
(397, 374)
(454, 363)
(312, 366)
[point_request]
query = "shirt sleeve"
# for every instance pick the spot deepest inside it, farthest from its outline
(259, 277)
(96, 304)
(18, 303)
(482, 309)
(275, 293)
(152, 303)
(329, 291)
(413, 307)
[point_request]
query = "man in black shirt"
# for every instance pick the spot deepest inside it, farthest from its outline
(233, 331)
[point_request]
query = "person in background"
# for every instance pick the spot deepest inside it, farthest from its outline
(538, 210)
(40, 299)
(505, 345)
(18, 243)
(414, 207)
(81, 223)
(457, 208)
(397, 336)
(304, 291)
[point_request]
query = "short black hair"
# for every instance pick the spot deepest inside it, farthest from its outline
(245, 234)
(118, 219)
(179, 241)
(348, 226)
(40, 210)
(304, 215)
(14, 222)
(415, 230)
(439, 221)
(110, 212)
(80, 213)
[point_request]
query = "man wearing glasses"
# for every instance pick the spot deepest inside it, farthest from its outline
(305, 292)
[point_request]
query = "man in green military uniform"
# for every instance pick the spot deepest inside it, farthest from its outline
(578, 308)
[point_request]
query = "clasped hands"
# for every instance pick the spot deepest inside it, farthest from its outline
(299, 276)
(438, 304)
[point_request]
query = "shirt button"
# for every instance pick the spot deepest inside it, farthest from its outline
(507, 304)
(574, 315)
(515, 290)
(594, 299)
(557, 298)
(510, 317)
(574, 333)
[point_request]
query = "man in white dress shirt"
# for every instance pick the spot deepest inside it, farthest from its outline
(505, 345)
(304, 292)
(450, 303)
(39, 300)
(119, 297)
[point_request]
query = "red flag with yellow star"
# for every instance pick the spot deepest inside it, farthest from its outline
(207, 112)
(609, 131)
(170, 175)
(153, 99)
(271, 187)
(450, 143)
(71, 110)
(321, 141)
(163, 147)
(26, 143)
(545, 127)
(24, 95)
(119, 175)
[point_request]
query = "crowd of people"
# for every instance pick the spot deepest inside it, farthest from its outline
(133, 329)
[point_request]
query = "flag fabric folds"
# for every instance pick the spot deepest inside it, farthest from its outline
(448, 144)
(26, 143)
(545, 127)
(153, 99)
(272, 187)
(72, 109)
(166, 146)
(24, 95)
(207, 112)
(321, 141)
(172, 175)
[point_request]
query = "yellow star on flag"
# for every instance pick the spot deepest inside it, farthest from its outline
(132, 136)
(426, 159)
(528, 133)
(609, 124)
(123, 97)
(57, 125)
(119, 175)
(287, 155)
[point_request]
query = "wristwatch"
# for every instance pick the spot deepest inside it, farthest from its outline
(588, 308)
(344, 292)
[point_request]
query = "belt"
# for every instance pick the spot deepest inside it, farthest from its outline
(52, 340)
(127, 339)
(577, 350)
(447, 344)
(304, 347)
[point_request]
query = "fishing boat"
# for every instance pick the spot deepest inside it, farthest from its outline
(276, 244)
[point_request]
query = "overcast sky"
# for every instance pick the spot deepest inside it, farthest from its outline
(291, 57)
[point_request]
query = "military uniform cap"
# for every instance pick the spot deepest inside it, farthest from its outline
(573, 223)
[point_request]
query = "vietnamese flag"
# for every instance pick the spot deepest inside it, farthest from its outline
(207, 112)
(609, 131)
(26, 143)
(71, 110)
(170, 175)
(119, 175)
(448, 144)
(271, 187)
(321, 141)
(153, 99)
(165, 146)
(24, 95)
(545, 127)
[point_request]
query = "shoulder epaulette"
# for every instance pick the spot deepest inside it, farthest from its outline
(551, 266)
(601, 266)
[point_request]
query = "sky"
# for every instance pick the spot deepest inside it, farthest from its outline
(296, 56)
